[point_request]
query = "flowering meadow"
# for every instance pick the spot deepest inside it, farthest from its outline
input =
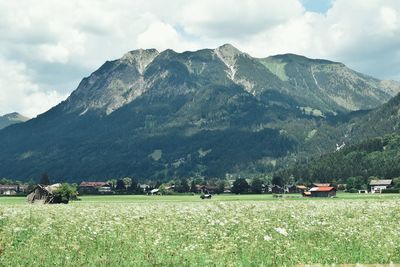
(279, 232)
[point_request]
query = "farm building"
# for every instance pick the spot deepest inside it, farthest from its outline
(42, 194)
(295, 188)
(376, 186)
(301, 189)
(94, 188)
(323, 191)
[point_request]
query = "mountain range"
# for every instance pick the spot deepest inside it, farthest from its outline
(159, 115)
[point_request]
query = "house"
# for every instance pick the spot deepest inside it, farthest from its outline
(13, 189)
(105, 190)
(94, 187)
(276, 189)
(42, 194)
(323, 191)
(301, 189)
(376, 186)
(155, 191)
(295, 189)
(5, 189)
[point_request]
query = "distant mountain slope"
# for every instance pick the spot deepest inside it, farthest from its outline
(162, 115)
(11, 118)
(378, 157)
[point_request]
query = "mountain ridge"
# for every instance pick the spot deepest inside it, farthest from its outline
(245, 112)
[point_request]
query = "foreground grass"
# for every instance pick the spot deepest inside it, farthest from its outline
(184, 231)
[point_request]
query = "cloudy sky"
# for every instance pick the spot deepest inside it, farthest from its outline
(48, 46)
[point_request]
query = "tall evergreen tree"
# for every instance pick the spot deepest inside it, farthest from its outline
(44, 179)
(120, 185)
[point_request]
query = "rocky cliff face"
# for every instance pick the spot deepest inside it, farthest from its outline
(209, 112)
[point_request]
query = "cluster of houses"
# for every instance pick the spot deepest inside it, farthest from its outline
(316, 190)
(12, 190)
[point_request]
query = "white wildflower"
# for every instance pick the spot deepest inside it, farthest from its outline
(267, 238)
(282, 231)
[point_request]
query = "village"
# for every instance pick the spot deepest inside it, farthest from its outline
(46, 193)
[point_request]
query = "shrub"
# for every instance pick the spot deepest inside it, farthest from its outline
(390, 190)
(66, 192)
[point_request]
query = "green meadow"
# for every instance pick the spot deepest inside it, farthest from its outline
(227, 230)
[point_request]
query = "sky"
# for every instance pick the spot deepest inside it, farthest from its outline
(48, 46)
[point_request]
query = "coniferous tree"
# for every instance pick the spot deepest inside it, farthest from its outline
(44, 179)
(120, 185)
(193, 188)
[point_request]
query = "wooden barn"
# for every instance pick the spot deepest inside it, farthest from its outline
(42, 194)
(94, 188)
(323, 191)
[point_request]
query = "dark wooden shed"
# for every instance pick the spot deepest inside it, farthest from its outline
(323, 191)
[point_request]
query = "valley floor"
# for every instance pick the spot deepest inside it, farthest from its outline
(228, 230)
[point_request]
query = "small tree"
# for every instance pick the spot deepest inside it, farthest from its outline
(134, 188)
(127, 181)
(221, 186)
(183, 186)
(240, 185)
(256, 186)
(396, 182)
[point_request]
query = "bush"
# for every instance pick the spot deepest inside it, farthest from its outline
(390, 190)
(66, 192)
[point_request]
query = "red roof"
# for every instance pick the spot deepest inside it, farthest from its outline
(322, 189)
(94, 184)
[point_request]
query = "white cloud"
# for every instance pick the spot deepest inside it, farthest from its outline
(19, 93)
(70, 39)
(161, 36)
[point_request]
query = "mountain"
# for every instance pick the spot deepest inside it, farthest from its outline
(210, 112)
(11, 118)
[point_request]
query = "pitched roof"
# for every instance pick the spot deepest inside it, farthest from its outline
(301, 187)
(94, 184)
(381, 182)
(322, 189)
(321, 184)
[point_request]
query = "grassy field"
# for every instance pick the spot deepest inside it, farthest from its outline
(228, 230)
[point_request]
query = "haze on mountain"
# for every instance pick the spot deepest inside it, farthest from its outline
(11, 118)
(159, 115)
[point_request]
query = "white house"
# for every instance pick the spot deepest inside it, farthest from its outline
(376, 186)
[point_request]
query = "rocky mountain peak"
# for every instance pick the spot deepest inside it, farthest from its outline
(141, 58)
(11, 118)
(227, 53)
